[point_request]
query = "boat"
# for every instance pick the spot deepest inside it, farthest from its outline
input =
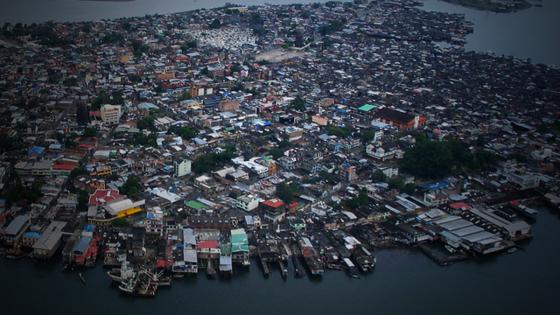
(512, 250)
(123, 273)
(142, 284)
(210, 270)
(81, 275)
(525, 211)
(450, 249)
(311, 258)
(298, 270)
(283, 268)
(364, 258)
(350, 268)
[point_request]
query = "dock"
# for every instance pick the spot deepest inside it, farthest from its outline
(283, 268)
(265, 267)
(298, 269)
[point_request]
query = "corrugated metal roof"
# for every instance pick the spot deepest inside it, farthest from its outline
(16, 225)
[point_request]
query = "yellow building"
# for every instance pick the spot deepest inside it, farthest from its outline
(110, 114)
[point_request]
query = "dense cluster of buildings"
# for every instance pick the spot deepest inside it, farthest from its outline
(162, 142)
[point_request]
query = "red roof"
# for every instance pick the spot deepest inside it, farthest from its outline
(181, 58)
(208, 244)
(161, 263)
(102, 196)
(64, 166)
(274, 203)
(460, 205)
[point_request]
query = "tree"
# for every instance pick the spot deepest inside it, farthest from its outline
(378, 176)
(341, 132)
(134, 78)
(332, 27)
(298, 104)
(434, 159)
(205, 72)
(139, 48)
(10, 143)
(90, 132)
(428, 159)
(215, 24)
(82, 114)
(185, 132)
(146, 123)
(211, 161)
(83, 200)
(276, 153)
(132, 187)
(358, 201)
(367, 135)
(78, 171)
(145, 140)
(120, 222)
(103, 97)
(287, 192)
(189, 45)
(185, 96)
(71, 81)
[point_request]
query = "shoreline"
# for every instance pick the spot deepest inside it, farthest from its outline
(487, 5)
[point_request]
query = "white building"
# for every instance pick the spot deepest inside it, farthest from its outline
(110, 114)
(247, 202)
(182, 168)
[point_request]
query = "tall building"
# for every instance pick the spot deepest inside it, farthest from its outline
(110, 114)
(182, 168)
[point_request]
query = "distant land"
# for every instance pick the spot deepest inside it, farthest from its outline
(109, 0)
(502, 6)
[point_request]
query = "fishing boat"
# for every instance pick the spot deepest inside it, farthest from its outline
(525, 211)
(364, 258)
(142, 284)
(350, 268)
(82, 279)
(311, 257)
(122, 273)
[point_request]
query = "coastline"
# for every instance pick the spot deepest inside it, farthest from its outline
(488, 5)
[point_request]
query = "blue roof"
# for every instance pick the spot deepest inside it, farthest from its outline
(89, 228)
(199, 141)
(82, 245)
(37, 150)
(16, 225)
(436, 186)
(32, 234)
(147, 105)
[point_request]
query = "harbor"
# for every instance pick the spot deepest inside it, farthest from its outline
(532, 268)
(178, 165)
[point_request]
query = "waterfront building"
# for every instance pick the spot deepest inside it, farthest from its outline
(50, 240)
(15, 230)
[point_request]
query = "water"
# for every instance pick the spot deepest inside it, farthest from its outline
(404, 282)
(29, 11)
(533, 33)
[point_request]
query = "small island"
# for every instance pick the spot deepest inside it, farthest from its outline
(499, 6)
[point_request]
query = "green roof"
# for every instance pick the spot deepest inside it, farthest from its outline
(367, 107)
(239, 242)
(195, 204)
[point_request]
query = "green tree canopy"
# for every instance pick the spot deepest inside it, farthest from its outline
(287, 192)
(132, 187)
(185, 132)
